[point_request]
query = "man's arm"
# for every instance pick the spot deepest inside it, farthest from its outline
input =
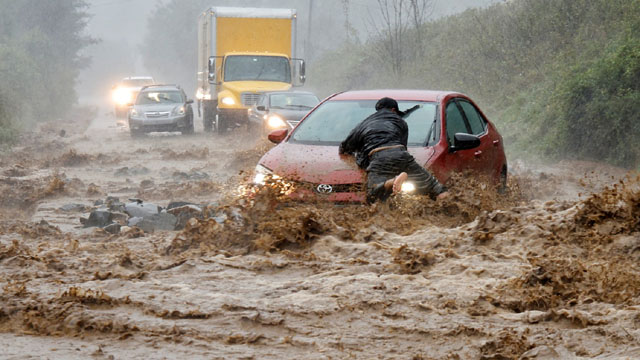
(351, 143)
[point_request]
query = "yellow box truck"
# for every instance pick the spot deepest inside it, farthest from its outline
(243, 52)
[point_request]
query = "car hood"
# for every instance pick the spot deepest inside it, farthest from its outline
(288, 114)
(156, 107)
(321, 164)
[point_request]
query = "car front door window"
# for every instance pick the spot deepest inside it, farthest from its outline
(477, 123)
(455, 122)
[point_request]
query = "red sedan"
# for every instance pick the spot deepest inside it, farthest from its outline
(447, 133)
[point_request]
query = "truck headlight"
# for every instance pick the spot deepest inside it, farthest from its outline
(408, 187)
(276, 122)
(228, 101)
(262, 174)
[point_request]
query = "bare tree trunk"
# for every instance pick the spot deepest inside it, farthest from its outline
(392, 25)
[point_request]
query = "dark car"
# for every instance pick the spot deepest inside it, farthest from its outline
(161, 108)
(281, 109)
(447, 133)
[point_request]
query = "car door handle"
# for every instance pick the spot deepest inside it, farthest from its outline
(496, 142)
(477, 153)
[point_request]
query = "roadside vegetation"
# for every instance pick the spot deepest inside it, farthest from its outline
(560, 78)
(40, 44)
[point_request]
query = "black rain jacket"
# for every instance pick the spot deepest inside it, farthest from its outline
(383, 128)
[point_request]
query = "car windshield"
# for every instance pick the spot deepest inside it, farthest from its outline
(332, 121)
(263, 68)
(293, 101)
(137, 82)
(159, 97)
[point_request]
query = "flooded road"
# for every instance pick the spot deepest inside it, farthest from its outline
(547, 271)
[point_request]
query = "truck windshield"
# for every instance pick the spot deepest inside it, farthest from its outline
(262, 68)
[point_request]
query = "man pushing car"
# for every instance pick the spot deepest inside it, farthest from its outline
(379, 143)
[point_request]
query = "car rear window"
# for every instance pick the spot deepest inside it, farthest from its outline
(332, 121)
(159, 97)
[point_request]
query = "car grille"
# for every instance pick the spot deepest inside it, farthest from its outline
(157, 114)
(293, 123)
(249, 99)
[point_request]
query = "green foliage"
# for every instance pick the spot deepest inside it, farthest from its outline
(599, 107)
(39, 60)
(558, 77)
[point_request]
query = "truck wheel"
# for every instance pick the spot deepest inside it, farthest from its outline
(209, 115)
(221, 125)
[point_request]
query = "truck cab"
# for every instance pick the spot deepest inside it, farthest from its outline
(242, 53)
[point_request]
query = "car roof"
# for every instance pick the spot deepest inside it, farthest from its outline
(404, 94)
(161, 87)
(138, 78)
(289, 92)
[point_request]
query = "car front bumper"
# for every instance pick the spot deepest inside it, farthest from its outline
(159, 124)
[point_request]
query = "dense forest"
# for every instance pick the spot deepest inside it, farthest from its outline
(560, 78)
(40, 43)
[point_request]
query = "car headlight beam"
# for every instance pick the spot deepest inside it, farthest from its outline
(276, 122)
(408, 187)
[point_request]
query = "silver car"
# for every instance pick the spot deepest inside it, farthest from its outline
(161, 108)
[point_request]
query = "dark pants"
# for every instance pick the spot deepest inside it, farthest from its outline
(387, 164)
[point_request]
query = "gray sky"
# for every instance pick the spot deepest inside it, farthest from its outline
(121, 24)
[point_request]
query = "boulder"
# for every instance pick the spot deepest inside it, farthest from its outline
(161, 221)
(98, 218)
(113, 228)
(141, 209)
(74, 208)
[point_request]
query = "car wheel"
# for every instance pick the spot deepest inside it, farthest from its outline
(189, 130)
(502, 187)
(136, 133)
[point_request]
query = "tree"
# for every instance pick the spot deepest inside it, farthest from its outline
(398, 30)
(40, 60)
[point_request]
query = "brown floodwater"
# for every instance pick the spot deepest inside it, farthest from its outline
(547, 270)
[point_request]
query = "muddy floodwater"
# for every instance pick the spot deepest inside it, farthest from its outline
(548, 270)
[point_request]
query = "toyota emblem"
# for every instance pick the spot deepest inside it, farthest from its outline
(324, 189)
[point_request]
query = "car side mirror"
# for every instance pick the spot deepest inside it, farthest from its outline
(277, 136)
(189, 101)
(212, 70)
(261, 108)
(463, 141)
(129, 104)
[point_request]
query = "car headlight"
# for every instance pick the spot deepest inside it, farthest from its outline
(228, 101)
(178, 110)
(276, 122)
(122, 96)
(262, 174)
(408, 187)
(133, 112)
